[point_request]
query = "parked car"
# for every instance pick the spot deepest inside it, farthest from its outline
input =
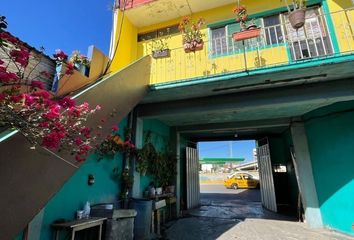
(241, 180)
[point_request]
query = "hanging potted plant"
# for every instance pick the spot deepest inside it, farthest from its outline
(297, 13)
(246, 32)
(191, 34)
(160, 46)
(81, 62)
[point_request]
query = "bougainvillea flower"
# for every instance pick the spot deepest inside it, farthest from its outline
(29, 99)
(57, 124)
(60, 55)
(20, 56)
(85, 131)
(69, 69)
(115, 128)
(42, 94)
(52, 140)
(6, 36)
(67, 102)
(78, 141)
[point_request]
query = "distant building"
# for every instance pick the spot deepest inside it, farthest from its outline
(212, 164)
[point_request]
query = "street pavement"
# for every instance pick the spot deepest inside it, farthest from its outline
(238, 214)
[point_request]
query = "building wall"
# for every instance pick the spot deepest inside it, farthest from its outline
(342, 20)
(330, 133)
(37, 63)
(160, 135)
(75, 192)
(126, 52)
(180, 66)
(286, 187)
(182, 155)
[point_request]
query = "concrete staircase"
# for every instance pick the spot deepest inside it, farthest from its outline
(29, 178)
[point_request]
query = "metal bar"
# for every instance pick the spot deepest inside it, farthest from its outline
(314, 39)
(321, 35)
(244, 54)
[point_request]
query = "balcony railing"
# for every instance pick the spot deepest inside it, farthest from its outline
(323, 36)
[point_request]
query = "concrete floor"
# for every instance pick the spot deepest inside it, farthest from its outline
(238, 214)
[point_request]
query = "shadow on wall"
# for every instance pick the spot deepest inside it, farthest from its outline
(344, 3)
(331, 141)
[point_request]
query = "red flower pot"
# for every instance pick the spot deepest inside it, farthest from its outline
(193, 46)
(246, 34)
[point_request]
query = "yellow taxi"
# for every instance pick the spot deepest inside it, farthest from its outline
(241, 180)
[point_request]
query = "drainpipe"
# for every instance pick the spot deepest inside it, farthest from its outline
(114, 29)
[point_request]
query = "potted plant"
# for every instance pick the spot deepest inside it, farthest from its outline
(160, 47)
(297, 13)
(192, 36)
(126, 183)
(246, 32)
(80, 62)
(144, 155)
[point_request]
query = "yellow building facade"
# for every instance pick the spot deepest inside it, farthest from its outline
(328, 32)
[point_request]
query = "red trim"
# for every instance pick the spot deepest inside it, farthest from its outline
(133, 3)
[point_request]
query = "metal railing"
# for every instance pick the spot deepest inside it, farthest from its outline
(322, 36)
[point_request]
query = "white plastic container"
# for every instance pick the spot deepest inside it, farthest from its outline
(87, 210)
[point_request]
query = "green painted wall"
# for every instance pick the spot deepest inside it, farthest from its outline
(277, 150)
(291, 174)
(75, 192)
(182, 155)
(331, 144)
(160, 136)
(286, 187)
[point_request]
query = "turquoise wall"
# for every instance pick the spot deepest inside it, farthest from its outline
(160, 136)
(331, 144)
(182, 154)
(286, 187)
(75, 192)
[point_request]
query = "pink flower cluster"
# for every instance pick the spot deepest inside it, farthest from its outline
(56, 124)
(60, 55)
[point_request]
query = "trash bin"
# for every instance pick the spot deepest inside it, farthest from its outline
(142, 222)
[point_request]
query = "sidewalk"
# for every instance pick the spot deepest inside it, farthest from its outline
(203, 228)
(238, 214)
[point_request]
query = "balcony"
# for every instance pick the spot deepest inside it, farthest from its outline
(325, 37)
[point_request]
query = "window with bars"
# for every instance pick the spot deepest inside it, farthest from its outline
(222, 43)
(218, 41)
(158, 33)
(312, 40)
(273, 33)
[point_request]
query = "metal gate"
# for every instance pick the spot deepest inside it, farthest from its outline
(192, 173)
(266, 178)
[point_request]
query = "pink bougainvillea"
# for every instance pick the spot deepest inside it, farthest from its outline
(57, 124)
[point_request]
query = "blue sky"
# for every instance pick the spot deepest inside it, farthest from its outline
(75, 25)
(64, 24)
(222, 149)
